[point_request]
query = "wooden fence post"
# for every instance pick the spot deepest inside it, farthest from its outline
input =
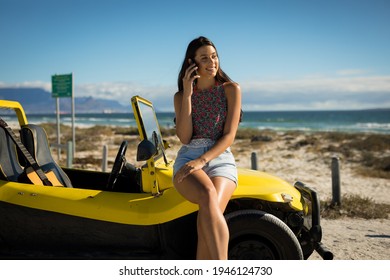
(254, 161)
(104, 158)
(336, 197)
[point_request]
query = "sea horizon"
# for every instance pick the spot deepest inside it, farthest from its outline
(354, 121)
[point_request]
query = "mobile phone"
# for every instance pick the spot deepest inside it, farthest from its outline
(195, 72)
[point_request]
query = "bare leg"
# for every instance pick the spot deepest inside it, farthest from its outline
(225, 189)
(212, 229)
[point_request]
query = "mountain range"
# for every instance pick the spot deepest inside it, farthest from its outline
(40, 101)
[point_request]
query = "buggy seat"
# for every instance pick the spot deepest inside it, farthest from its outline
(34, 138)
(10, 168)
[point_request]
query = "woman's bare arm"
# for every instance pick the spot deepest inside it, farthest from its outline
(182, 103)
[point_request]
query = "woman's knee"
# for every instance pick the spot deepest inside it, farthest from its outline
(207, 195)
(198, 188)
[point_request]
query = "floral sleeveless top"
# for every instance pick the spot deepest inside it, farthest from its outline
(209, 110)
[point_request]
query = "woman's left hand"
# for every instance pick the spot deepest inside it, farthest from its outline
(188, 168)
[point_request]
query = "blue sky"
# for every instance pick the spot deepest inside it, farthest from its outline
(286, 55)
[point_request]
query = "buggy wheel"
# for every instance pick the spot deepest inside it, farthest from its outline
(258, 235)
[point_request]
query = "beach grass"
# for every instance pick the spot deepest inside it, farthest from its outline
(354, 206)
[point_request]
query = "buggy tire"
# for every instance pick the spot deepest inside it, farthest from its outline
(258, 235)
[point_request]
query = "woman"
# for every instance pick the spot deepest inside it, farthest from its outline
(207, 108)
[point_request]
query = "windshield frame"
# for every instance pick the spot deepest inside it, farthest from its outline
(147, 122)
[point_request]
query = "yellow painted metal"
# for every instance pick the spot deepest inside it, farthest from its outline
(124, 208)
(149, 182)
(159, 203)
(14, 105)
(264, 186)
(139, 208)
(149, 179)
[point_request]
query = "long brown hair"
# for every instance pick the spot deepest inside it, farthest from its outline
(193, 46)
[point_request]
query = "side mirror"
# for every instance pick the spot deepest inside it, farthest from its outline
(145, 150)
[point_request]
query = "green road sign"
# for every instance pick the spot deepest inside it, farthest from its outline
(62, 85)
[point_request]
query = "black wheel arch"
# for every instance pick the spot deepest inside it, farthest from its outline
(256, 234)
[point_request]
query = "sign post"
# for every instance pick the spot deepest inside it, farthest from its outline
(62, 86)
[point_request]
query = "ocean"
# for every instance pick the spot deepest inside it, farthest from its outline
(370, 121)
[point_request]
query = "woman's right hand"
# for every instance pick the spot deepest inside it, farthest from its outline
(189, 78)
(188, 168)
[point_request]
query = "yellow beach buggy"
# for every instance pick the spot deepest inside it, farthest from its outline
(49, 212)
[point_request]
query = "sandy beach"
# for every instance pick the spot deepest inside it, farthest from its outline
(364, 161)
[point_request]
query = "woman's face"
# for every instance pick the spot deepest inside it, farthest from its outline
(207, 60)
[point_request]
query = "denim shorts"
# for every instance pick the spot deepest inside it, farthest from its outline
(222, 166)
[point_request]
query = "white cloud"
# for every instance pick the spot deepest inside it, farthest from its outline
(347, 85)
(308, 93)
(317, 93)
(161, 96)
(352, 72)
(122, 92)
(33, 84)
